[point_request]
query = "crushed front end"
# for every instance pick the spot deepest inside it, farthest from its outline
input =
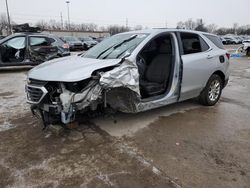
(60, 102)
(57, 102)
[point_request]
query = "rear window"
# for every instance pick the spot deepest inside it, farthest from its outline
(38, 41)
(193, 43)
(216, 40)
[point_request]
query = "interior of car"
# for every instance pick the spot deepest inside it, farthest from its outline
(155, 63)
(13, 50)
(41, 49)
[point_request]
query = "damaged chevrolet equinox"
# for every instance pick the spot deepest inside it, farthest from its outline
(130, 72)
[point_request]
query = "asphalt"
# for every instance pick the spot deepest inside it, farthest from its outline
(181, 145)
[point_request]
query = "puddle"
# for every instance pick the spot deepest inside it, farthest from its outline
(6, 94)
(6, 126)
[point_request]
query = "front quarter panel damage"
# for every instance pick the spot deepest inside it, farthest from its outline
(121, 85)
(126, 75)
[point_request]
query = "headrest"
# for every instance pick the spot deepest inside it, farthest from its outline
(165, 47)
(196, 45)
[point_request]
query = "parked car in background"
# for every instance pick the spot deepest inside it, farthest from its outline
(87, 42)
(31, 49)
(232, 40)
(73, 42)
(244, 49)
(223, 40)
(239, 39)
(100, 39)
(131, 72)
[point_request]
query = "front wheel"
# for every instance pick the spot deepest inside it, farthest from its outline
(212, 92)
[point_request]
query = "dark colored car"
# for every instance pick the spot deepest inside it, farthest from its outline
(31, 49)
(73, 42)
(88, 42)
(224, 41)
(100, 39)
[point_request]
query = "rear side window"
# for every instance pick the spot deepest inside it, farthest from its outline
(193, 43)
(217, 42)
(39, 41)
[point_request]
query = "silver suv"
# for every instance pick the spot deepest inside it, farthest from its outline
(130, 72)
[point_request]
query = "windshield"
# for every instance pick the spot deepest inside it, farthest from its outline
(116, 46)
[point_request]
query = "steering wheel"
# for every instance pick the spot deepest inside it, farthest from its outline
(141, 64)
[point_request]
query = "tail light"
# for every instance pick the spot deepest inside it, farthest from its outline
(65, 45)
(228, 55)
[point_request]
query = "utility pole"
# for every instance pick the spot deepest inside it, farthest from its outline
(166, 24)
(8, 16)
(68, 14)
(126, 23)
(61, 20)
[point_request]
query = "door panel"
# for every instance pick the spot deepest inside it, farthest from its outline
(41, 49)
(197, 68)
(199, 63)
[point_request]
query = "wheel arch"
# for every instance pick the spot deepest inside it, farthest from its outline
(222, 76)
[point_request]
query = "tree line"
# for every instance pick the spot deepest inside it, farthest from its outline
(190, 24)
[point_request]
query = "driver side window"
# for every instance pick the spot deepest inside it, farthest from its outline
(13, 50)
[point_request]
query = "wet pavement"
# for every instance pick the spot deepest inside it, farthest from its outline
(181, 145)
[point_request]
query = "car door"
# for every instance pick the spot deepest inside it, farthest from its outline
(13, 51)
(197, 64)
(41, 49)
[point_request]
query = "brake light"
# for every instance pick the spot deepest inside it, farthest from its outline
(228, 55)
(65, 45)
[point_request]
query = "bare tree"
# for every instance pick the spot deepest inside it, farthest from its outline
(180, 25)
(200, 26)
(235, 27)
(114, 29)
(3, 23)
(190, 24)
(138, 27)
(211, 28)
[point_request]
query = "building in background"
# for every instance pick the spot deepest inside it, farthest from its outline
(94, 34)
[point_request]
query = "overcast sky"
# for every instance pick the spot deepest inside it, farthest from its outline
(151, 13)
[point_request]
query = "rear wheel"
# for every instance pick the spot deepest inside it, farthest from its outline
(212, 92)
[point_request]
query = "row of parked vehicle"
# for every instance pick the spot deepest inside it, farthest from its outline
(231, 39)
(32, 48)
(79, 43)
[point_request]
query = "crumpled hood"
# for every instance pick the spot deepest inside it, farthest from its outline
(69, 69)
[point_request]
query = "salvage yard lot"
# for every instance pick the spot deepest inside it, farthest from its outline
(181, 145)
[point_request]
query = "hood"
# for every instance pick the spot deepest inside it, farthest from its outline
(69, 69)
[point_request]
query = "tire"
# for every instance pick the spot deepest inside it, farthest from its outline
(212, 92)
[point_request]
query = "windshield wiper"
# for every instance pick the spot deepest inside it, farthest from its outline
(116, 46)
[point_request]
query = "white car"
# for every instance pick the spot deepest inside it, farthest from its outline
(130, 72)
